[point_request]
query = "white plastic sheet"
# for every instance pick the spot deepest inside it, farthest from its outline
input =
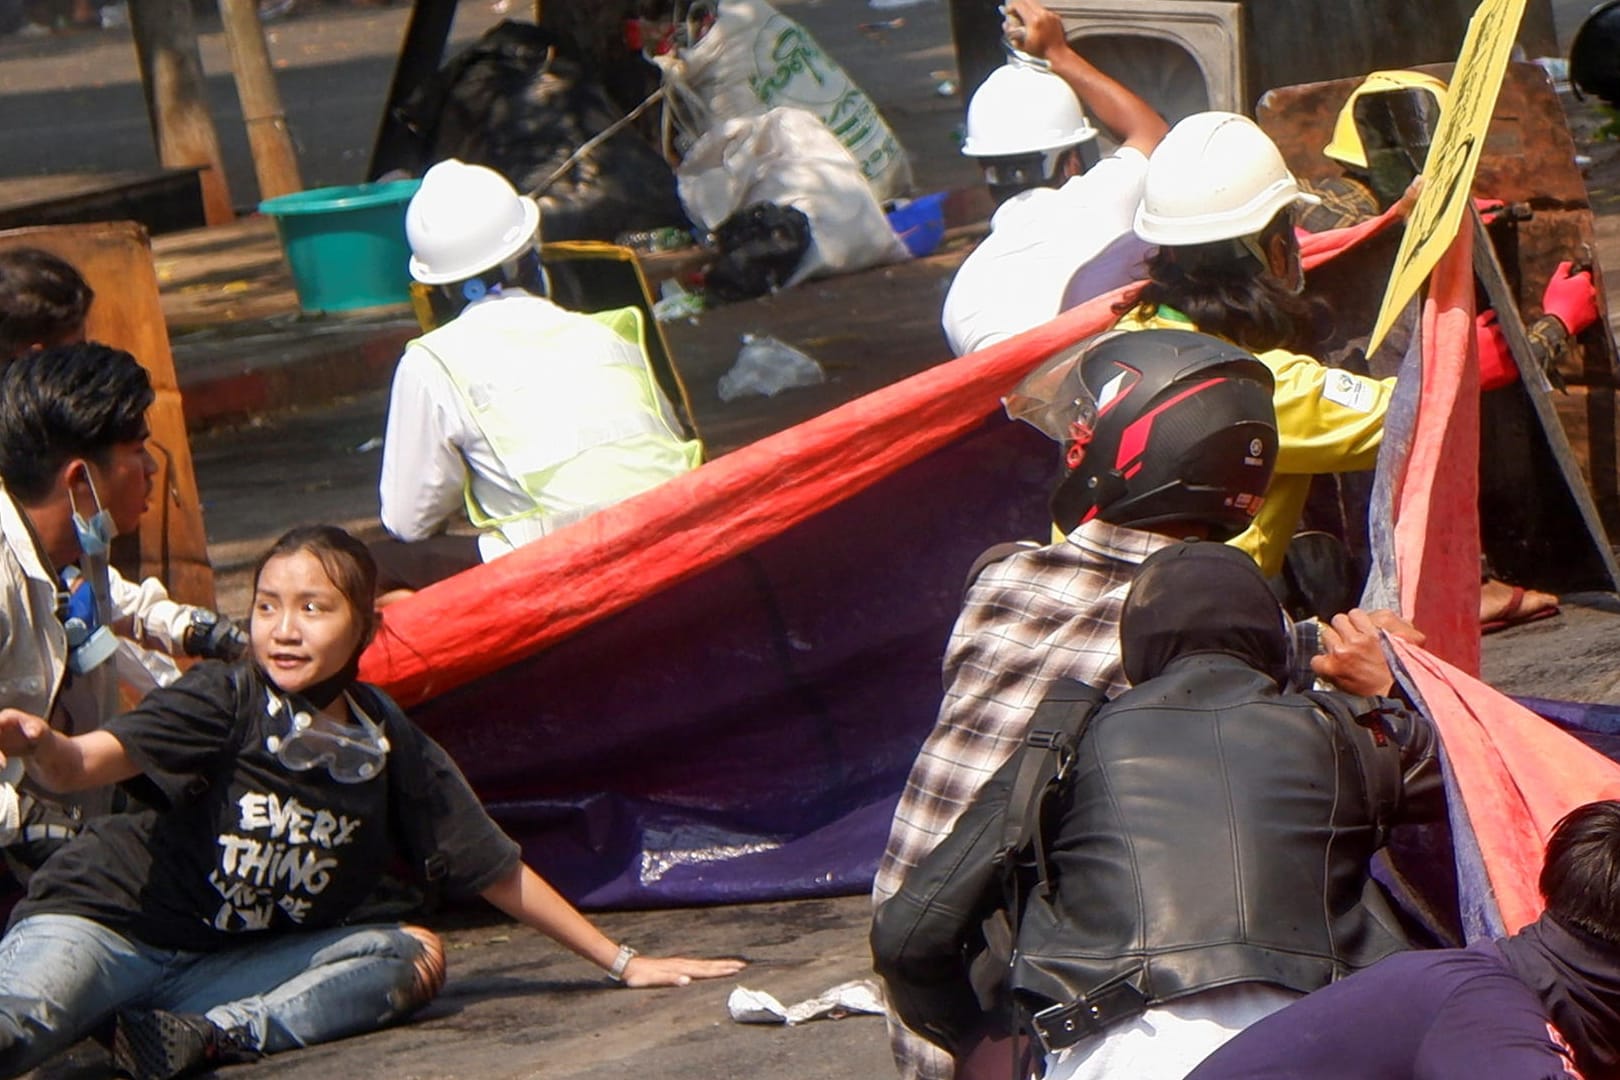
(858, 997)
(765, 367)
(788, 157)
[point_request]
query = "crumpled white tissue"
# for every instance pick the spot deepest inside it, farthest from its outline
(846, 999)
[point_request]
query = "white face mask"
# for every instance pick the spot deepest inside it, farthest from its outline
(96, 533)
(95, 643)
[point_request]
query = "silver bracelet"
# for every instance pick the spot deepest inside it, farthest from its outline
(620, 962)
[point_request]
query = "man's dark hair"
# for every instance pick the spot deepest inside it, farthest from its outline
(66, 402)
(42, 299)
(1580, 879)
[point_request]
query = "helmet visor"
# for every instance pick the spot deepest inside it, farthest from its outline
(1396, 128)
(1021, 170)
(1054, 399)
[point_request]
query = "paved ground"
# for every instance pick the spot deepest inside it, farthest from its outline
(515, 1007)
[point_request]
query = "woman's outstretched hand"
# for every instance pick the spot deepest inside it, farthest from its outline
(646, 971)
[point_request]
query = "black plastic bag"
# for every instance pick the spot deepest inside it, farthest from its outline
(759, 248)
(514, 101)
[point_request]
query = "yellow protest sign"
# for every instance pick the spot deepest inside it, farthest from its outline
(1449, 169)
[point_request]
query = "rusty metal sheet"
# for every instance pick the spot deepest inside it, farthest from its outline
(1529, 163)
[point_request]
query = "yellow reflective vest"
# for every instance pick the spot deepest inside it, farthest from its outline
(568, 405)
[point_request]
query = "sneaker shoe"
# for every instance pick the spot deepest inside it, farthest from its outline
(158, 1045)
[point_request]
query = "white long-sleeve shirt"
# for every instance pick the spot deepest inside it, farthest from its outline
(593, 408)
(1048, 250)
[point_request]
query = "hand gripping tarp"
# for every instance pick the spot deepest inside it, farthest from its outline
(1510, 774)
(714, 691)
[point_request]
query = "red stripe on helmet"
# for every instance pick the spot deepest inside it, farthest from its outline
(1133, 440)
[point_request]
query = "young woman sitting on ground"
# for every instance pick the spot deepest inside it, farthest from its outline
(212, 926)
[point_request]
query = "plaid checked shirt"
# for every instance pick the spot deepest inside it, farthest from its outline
(1030, 619)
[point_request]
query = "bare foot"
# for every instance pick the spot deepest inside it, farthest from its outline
(1501, 604)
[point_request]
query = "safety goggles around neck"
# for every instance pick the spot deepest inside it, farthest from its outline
(350, 753)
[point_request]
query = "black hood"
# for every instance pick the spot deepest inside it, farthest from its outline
(1201, 597)
(1578, 981)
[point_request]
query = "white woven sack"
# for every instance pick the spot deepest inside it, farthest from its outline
(789, 157)
(755, 58)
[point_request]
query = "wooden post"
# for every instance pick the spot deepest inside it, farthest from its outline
(976, 35)
(171, 76)
(275, 162)
(419, 57)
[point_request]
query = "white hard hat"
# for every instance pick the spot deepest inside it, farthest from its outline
(1215, 176)
(465, 219)
(1020, 109)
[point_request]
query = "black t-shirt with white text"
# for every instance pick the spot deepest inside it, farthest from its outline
(240, 844)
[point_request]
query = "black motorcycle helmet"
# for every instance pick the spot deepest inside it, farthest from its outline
(1159, 426)
(1594, 54)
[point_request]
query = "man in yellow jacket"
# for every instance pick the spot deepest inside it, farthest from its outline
(1221, 204)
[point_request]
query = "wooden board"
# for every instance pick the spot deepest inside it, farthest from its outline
(116, 259)
(163, 200)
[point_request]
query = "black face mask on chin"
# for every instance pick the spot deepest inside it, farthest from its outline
(329, 689)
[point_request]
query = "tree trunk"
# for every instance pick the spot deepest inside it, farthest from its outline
(171, 76)
(275, 162)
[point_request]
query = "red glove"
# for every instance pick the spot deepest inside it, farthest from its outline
(1489, 208)
(1571, 297)
(1496, 366)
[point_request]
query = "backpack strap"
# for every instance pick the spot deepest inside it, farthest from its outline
(992, 555)
(1049, 749)
(408, 769)
(1048, 752)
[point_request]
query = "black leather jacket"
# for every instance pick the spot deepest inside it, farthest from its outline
(1216, 831)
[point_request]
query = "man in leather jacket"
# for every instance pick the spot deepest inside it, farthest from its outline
(1208, 856)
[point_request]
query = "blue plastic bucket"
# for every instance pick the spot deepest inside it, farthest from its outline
(920, 223)
(346, 245)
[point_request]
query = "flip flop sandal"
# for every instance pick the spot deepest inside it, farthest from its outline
(1511, 617)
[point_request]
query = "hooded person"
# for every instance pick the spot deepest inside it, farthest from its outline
(530, 416)
(1208, 848)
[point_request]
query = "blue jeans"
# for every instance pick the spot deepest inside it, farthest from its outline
(62, 977)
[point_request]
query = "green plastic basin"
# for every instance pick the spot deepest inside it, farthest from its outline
(346, 245)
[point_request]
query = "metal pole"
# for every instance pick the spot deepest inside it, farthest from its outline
(275, 162)
(171, 76)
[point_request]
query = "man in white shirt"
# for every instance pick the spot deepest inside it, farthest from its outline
(530, 416)
(1062, 233)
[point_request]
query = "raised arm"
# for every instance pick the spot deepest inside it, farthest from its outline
(63, 763)
(528, 898)
(1127, 117)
